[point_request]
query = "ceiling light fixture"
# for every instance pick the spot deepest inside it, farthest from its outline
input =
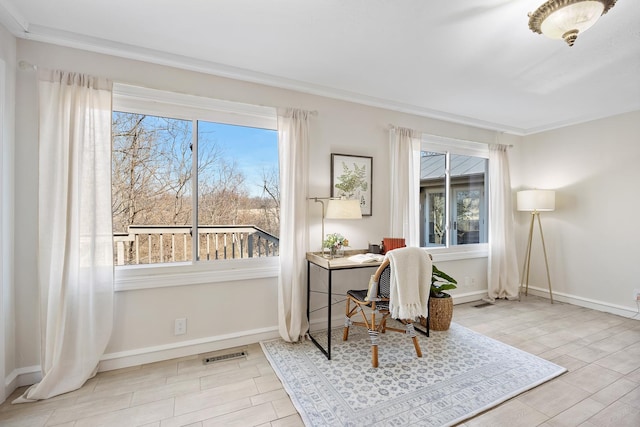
(565, 19)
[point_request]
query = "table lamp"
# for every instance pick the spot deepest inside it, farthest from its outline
(338, 208)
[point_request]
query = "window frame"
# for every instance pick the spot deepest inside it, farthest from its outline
(447, 146)
(140, 100)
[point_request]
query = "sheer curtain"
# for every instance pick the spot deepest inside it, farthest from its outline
(405, 185)
(75, 250)
(293, 143)
(503, 268)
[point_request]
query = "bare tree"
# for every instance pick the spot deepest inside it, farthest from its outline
(152, 173)
(134, 170)
(271, 200)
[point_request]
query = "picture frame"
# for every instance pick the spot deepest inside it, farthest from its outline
(352, 177)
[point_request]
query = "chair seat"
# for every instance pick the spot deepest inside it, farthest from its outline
(361, 297)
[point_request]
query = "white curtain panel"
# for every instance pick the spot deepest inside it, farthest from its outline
(405, 185)
(293, 146)
(75, 246)
(503, 268)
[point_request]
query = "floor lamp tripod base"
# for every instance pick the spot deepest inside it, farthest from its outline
(524, 281)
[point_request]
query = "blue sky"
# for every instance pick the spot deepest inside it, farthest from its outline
(253, 150)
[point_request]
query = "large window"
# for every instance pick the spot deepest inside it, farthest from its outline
(181, 160)
(453, 196)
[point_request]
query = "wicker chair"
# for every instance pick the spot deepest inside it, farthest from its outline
(373, 305)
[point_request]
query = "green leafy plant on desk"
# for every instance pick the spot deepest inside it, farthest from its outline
(335, 242)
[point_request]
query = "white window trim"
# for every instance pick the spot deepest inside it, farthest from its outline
(459, 252)
(443, 144)
(454, 146)
(134, 99)
(148, 276)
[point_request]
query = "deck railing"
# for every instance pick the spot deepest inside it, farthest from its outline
(155, 244)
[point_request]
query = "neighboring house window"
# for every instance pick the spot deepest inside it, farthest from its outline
(181, 160)
(453, 193)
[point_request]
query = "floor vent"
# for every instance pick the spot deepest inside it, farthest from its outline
(221, 357)
(483, 304)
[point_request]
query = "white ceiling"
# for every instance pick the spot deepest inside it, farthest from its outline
(469, 61)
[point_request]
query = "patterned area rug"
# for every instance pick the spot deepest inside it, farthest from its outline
(461, 373)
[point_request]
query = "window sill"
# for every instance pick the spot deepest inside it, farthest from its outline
(459, 252)
(128, 278)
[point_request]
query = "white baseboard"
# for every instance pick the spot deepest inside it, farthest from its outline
(110, 361)
(141, 356)
(22, 377)
(586, 302)
(461, 298)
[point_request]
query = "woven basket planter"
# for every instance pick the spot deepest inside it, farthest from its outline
(440, 313)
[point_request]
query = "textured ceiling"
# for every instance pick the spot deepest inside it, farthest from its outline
(472, 62)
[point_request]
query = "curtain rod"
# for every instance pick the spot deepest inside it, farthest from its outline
(312, 112)
(26, 66)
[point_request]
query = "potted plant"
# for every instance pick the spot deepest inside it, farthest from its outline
(440, 302)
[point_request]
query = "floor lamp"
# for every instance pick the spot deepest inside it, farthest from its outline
(535, 201)
(337, 208)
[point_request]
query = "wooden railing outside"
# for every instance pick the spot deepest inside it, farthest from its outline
(156, 244)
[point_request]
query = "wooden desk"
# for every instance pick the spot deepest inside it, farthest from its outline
(331, 265)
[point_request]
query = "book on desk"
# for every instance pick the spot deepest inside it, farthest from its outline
(368, 257)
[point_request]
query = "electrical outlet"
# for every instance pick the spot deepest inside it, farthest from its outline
(636, 294)
(180, 327)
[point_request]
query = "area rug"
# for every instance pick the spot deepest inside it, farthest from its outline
(461, 373)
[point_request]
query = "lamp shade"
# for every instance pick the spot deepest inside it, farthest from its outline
(343, 209)
(536, 200)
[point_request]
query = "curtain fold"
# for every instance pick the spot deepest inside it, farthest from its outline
(502, 268)
(293, 146)
(405, 185)
(75, 242)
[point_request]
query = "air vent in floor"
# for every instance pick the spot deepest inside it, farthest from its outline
(221, 357)
(483, 304)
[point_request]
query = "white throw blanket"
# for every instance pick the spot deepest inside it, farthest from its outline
(411, 270)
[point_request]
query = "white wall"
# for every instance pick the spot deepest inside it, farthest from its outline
(7, 315)
(218, 314)
(592, 236)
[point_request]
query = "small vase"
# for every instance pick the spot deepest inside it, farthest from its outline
(332, 253)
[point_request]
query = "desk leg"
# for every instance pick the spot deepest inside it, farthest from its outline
(326, 352)
(308, 295)
(329, 318)
(420, 329)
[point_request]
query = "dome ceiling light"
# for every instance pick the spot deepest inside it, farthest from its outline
(565, 19)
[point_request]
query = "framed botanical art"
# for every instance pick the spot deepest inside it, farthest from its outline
(352, 177)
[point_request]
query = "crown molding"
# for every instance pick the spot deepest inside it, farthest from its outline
(12, 19)
(93, 44)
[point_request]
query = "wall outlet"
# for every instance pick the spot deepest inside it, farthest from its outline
(636, 294)
(180, 327)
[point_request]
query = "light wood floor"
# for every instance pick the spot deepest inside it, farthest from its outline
(602, 387)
